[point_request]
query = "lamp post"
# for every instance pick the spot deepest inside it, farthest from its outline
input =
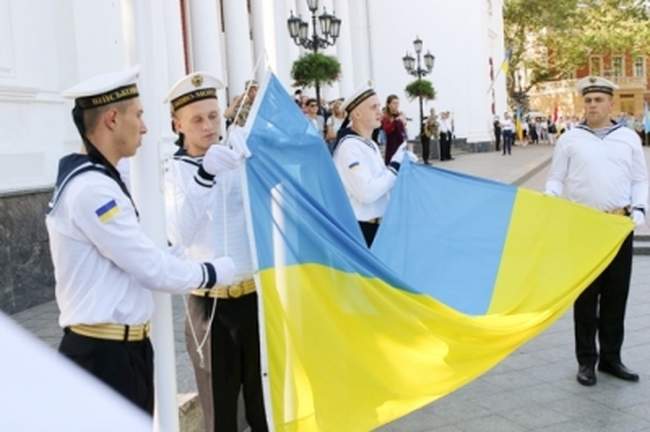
(521, 98)
(413, 67)
(330, 28)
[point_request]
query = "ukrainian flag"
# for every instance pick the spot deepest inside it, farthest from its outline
(463, 272)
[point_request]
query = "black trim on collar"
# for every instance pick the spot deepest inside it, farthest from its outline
(583, 126)
(71, 166)
(366, 141)
(188, 159)
(66, 174)
(181, 155)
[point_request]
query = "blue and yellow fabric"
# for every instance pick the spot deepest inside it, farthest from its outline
(462, 272)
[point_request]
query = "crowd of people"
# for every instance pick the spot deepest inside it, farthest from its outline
(537, 128)
(328, 119)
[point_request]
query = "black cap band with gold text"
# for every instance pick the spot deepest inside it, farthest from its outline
(193, 96)
(598, 89)
(359, 99)
(116, 95)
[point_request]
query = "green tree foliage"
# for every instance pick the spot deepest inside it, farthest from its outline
(552, 38)
(420, 87)
(315, 68)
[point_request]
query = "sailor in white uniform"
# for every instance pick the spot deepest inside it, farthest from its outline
(601, 164)
(205, 212)
(105, 266)
(367, 180)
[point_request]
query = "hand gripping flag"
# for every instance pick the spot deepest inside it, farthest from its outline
(463, 272)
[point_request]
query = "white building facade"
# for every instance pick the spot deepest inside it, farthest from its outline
(49, 45)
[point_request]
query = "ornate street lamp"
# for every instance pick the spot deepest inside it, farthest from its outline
(294, 25)
(429, 61)
(413, 67)
(409, 62)
(330, 29)
(312, 5)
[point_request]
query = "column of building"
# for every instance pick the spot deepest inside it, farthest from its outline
(206, 44)
(238, 46)
(344, 49)
(359, 35)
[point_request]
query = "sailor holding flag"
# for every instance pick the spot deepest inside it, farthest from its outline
(105, 266)
(205, 215)
(357, 158)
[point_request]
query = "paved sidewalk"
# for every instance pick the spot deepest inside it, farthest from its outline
(532, 390)
(514, 168)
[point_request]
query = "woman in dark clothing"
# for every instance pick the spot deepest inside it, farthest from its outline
(394, 125)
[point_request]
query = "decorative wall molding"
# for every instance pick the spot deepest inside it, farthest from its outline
(7, 47)
(18, 93)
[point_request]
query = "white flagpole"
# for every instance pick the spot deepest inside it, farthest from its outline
(144, 30)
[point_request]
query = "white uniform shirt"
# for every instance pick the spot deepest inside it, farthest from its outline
(205, 216)
(445, 126)
(605, 174)
(366, 179)
(104, 265)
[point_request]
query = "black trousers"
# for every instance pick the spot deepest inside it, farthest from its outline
(127, 367)
(369, 231)
(426, 142)
(497, 140)
(236, 364)
(508, 140)
(445, 146)
(601, 309)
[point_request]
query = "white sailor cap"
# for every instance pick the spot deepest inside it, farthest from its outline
(193, 88)
(595, 84)
(105, 89)
(357, 98)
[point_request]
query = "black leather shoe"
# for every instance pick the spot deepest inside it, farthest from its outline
(618, 370)
(586, 376)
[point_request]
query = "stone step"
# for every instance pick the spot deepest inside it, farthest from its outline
(641, 247)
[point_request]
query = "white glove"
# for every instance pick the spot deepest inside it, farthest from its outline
(225, 268)
(220, 158)
(399, 153)
(638, 218)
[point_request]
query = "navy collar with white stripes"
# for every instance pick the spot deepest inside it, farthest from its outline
(351, 133)
(71, 166)
(181, 155)
(614, 126)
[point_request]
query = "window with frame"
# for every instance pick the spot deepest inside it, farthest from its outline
(639, 67)
(595, 65)
(618, 66)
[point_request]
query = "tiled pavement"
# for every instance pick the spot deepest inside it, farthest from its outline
(532, 390)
